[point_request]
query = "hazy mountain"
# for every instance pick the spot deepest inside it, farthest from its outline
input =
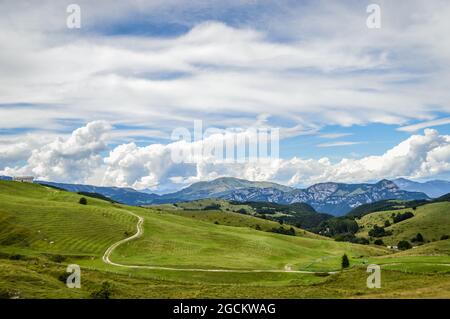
(222, 187)
(434, 188)
(127, 196)
(331, 198)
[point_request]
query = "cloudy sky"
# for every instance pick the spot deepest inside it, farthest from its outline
(99, 104)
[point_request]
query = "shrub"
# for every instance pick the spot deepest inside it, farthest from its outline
(419, 238)
(63, 277)
(242, 211)
(378, 231)
(445, 237)
(401, 217)
(57, 258)
(104, 292)
(83, 201)
(379, 242)
(387, 223)
(212, 207)
(284, 231)
(345, 262)
(16, 257)
(404, 245)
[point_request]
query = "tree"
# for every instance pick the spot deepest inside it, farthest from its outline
(387, 223)
(83, 201)
(418, 238)
(445, 237)
(379, 242)
(404, 245)
(345, 262)
(104, 292)
(242, 211)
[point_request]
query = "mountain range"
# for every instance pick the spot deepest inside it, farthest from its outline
(332, 198)
(434, 188)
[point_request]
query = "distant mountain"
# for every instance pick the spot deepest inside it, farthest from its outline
(126, 196)
(220, 188)
(332, 198)
(434, 188)
(5, 178)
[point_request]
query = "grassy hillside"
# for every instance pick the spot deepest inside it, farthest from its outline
(241, 220)
(180, 242)
(300, 215)
(43, 229)
(431, 220)
(45, 220)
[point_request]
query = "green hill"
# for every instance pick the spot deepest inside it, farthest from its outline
(430, 220)
(300, 215)
(43, 229)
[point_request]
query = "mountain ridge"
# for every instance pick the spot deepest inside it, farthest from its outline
(330, 197)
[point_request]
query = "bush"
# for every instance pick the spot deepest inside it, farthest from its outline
(401, 217)
(212, 207)
(378, 231)
(404, 245)
(16, 257)
(104, 292)
(57, 258)
(345, 262)
(379, 242)
(387, 223)
(419, 238)
(83, 201)
(284, 231)
(445, 237)
(242, 211)
(63, 277)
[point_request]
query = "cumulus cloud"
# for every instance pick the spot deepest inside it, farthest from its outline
(81, 157)
(419, 156)
(66, 159)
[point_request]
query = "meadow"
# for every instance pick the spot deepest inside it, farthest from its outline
(45, 229)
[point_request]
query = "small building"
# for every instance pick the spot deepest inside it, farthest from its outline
(23, 179)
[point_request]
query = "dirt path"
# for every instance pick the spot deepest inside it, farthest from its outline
(139, 231)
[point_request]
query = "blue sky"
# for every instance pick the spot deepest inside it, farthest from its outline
(138, 70)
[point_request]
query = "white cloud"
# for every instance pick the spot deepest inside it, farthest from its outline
(66, 159)
(338, 143)
(422, 125)
(334, 135)
(318, 76)
(80, 158)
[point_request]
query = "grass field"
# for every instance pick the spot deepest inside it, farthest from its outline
(240, 220)
(431, 220)
(43, 230)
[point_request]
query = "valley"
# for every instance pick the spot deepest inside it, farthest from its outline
(201, 249)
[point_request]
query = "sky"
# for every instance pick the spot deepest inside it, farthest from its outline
(99, 104)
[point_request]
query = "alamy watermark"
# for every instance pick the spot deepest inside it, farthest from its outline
(74, 279)
(374, 279)
(374, 19)
(230, 145)
(74, 18)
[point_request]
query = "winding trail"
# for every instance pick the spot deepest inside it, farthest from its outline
(139, 231)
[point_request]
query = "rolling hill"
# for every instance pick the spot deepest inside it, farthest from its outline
(431, 220)
(46, 220)
(42, 229)
(332, 198)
